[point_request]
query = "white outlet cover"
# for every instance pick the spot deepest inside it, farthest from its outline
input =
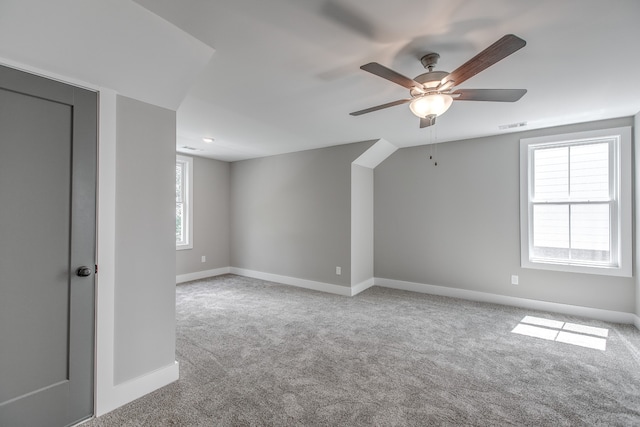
(514, 280)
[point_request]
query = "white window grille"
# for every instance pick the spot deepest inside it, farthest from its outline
(576, 202)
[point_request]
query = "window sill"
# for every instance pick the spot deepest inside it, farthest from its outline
(572, 268)
(183, 247)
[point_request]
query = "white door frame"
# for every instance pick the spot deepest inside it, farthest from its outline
(108, 394)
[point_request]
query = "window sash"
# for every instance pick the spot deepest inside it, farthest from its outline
(565, 246)
(618, 203)
(184, 215)
(612, 144)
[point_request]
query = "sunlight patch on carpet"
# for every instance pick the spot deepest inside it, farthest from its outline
(564, 332)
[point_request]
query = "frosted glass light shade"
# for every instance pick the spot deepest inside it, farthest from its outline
(430, 104)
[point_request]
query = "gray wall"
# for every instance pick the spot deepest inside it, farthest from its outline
(361, 224)
(145, 243)
(210, 218)
(457, 224)
(291, 215)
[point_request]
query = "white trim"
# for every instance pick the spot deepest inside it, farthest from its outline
(106, 215)
(285, 280)
(622, 174)
(362, 286)
(105, 279)
(51, 76)
(294, 281)
(135, 388)
(108, 396)
(181, 278)
(573, 310)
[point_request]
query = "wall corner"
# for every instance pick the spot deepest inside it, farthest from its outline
(362, 239)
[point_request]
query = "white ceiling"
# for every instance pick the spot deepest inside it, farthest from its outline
(269, 77)
(114, 44)
(285, 74)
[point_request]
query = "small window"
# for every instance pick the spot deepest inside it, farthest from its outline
(575, 192)
(184, 191)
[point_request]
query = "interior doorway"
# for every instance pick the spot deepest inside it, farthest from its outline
(48, 146)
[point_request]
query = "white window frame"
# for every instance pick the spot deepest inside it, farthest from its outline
(621, 221)
(187, 177)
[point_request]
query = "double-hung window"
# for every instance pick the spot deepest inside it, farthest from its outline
(575, 212)
(184, 216)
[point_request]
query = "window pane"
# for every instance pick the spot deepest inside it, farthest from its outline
(551, 226)
(590, 232)
(551, 173)
(179, 223)
(179, 186)
(590, 171)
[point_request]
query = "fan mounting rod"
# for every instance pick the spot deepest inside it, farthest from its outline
(430, 60)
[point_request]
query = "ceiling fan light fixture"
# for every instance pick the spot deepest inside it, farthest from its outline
(446, 84)
(432, 104)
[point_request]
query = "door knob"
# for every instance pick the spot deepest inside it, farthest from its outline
(83, 271)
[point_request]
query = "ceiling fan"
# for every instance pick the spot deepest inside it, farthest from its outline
(432, 92)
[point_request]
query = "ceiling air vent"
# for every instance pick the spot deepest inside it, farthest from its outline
(186, 147)
(512, 126)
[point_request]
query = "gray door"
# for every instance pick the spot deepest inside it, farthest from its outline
(47, 232)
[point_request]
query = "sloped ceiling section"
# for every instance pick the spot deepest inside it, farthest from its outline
(286, 75)
(116, 44)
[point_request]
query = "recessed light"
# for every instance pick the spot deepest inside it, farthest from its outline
(208, 140)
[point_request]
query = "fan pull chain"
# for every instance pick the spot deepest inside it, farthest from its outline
(430, 144)
(433, 141)
(435, 162)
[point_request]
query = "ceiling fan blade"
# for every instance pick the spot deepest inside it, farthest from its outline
(430, 120)
(494, 53)
(389, 74)
(380, 107)
(495, 95)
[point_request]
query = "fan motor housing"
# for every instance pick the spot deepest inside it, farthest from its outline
(432, 78)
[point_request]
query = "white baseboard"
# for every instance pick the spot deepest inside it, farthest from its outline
(362, 286)
(181, 278)
(574, 310)
(121, 394)
(294, 281)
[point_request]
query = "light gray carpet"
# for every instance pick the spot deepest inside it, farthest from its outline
(257, 353)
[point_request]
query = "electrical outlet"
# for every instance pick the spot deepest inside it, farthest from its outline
(514, 279)
(204, 258)
(338, 271)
